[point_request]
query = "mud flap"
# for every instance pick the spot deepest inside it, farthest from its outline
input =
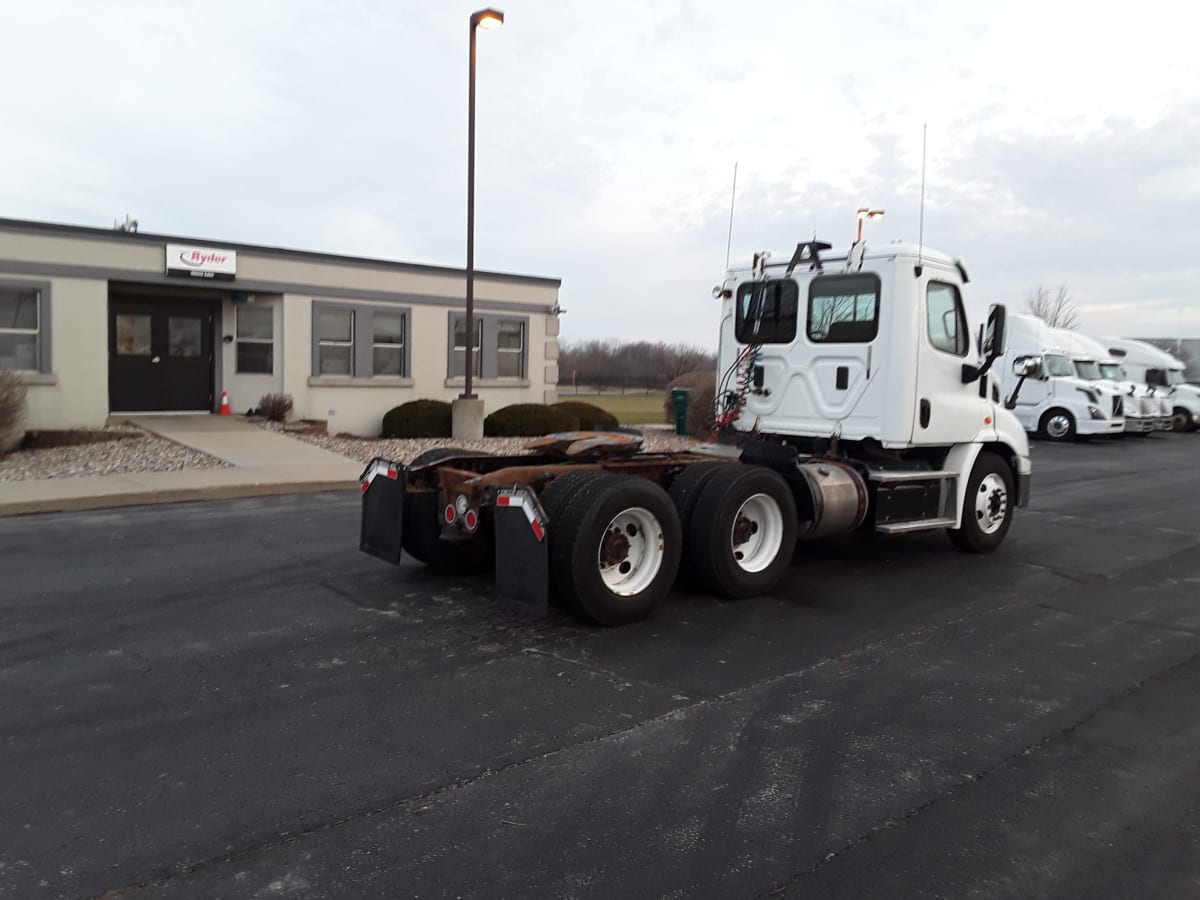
(382, 483)
(522, 558)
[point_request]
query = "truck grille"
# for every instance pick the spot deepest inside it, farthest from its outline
(1116, 406)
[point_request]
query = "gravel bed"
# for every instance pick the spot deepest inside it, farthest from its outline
(135, 451)
(657, 439)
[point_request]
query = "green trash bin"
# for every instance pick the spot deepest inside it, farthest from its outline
(679, 399)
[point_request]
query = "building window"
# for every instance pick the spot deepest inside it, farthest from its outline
(335, 342)
(361, 340)
(510, 349)
(387, 346)
(843, 309)
(500, 347)
(458, 367)
(946, 319)
(24, 328)
(255, 340)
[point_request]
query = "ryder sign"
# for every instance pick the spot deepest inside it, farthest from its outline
(201, 262)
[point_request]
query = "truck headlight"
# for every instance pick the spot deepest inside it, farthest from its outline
(1095, 413)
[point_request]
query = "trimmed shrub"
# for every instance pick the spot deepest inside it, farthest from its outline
(418, 419)
(275, 407)
(12, 411)
(529, 420)
(591, 418)
(700, 402)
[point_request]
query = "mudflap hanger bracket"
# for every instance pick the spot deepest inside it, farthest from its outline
(522, 554)
(382, 483)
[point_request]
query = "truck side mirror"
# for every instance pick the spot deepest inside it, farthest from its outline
(1027, 366)
(993, 339)
(991, 343)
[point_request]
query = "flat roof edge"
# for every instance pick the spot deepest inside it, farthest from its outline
(145, 237)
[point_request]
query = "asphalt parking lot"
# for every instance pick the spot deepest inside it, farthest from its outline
(229, 700)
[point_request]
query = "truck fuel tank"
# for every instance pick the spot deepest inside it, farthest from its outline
(837, 501)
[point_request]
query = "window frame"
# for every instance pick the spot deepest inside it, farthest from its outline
(42, 343)
(523, 331)
(239, 340)
(826, 279)
(488, 325)
(740, 323)
(402, 346)
(362, 340)
(960, 314)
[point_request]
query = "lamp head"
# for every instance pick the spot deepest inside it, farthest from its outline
(487, 18)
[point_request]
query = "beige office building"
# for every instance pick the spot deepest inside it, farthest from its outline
(100, 322)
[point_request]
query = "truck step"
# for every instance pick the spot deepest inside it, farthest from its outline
(889, 477)
(915, 525)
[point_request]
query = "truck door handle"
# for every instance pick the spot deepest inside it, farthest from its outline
(924, 413)
(843, 377)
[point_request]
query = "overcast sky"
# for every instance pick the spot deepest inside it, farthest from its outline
(1064, 139)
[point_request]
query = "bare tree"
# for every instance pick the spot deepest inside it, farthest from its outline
(1056, 309)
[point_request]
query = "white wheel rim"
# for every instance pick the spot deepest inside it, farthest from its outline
(1058, 426)
(757, 533)
(631, 552)
(991, 504)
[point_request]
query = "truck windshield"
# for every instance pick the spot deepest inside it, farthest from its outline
(1112, 371)
(1087, 370)
(1057, 366)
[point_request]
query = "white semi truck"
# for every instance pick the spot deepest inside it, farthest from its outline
(853, 396)
(1161, 370)
(1095, 364)
(1044, 391)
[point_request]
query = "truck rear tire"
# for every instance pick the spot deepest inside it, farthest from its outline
(987, 506)
(684, 492)
(1057, 425)
(421, 536)
(614, 548)
(742, 531)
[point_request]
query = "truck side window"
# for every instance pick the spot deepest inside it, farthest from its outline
(766, 312)
(947, 320)
(843, 309)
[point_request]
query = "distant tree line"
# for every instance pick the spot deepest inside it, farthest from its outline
(640, 365)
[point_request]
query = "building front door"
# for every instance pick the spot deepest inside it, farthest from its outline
(160, 355)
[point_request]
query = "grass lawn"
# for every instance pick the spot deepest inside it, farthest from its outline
(630, 409)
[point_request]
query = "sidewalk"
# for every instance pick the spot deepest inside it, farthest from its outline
(262, 463)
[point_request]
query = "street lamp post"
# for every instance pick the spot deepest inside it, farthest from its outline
(467, 410)
(485, 18)
(863, 215)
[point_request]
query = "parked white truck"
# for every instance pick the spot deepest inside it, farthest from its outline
(1096, 365)
(1044, 391)
(1161, 370)
(853, 396)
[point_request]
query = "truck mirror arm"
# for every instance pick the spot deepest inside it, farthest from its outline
(974, 373)
(1011, 402)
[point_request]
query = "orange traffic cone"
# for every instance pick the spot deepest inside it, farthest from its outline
(224, 403)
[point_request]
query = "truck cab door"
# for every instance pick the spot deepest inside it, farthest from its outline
(948, 411)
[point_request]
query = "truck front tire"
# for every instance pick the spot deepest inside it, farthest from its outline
(988, 505)
(1057, 425)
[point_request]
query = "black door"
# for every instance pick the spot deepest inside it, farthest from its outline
(160, 354)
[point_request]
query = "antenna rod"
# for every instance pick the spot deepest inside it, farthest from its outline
(732, 198)
(921, 233)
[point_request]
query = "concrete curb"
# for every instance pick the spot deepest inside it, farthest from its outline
(169, 495)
